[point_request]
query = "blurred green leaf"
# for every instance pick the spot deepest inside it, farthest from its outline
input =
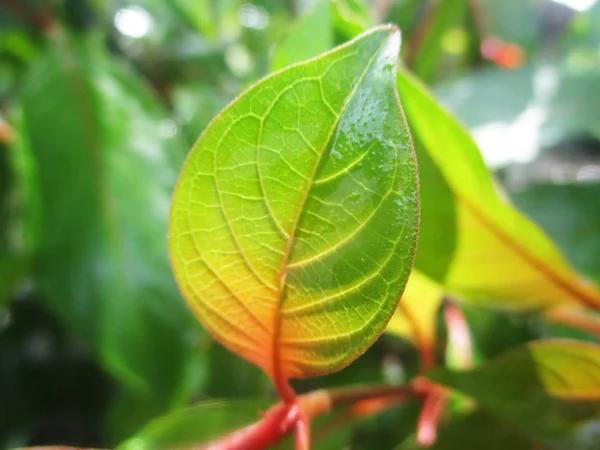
(201, 14)
(501, 259)
(311, 35)
(350, 18)
(195, 105)
(516, 113)
(405, 14)
(12, 259)
(196, 425)
(103, 158)
(569, 214)
(548, 389)
(515, 21)
(447, 18)
(476, 430)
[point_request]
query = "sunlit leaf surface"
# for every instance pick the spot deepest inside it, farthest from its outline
(294, 221)
(501, 258)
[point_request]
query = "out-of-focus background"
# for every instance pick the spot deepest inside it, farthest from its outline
(100, 100)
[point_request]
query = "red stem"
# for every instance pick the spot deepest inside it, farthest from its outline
(285, 418)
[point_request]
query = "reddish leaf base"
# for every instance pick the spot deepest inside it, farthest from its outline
(279, 421)
(284, 418)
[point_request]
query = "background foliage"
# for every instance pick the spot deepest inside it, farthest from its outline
(100, 101)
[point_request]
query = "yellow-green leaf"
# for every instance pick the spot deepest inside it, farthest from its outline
(294, 222)
(501, 259)
(415, 318)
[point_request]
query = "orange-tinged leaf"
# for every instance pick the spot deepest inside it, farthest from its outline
(501, 258)
(293, 226)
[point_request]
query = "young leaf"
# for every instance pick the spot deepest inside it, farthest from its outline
(501, 259)
(547, 388)
(294, 222)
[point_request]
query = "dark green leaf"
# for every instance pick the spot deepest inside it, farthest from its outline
(103, 160)
(476, 430)
(548, 389)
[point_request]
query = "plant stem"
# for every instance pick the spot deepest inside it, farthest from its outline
(283, 419)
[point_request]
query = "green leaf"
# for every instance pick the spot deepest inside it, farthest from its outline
(200, 14)
(350, 17)
(7, 260)
(311, 35)
(196, 425)
(549, 389)
(501, 259)
(512, 20)
(294, 222)
(475, 430)
(317, 30)
(437, 217)
(568, 213)
(102, 162)
(447, 17)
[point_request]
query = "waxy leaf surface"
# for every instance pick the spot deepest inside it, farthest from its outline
(294, 222)
(500, 259)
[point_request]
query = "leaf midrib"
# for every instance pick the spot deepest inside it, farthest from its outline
(279, 378)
